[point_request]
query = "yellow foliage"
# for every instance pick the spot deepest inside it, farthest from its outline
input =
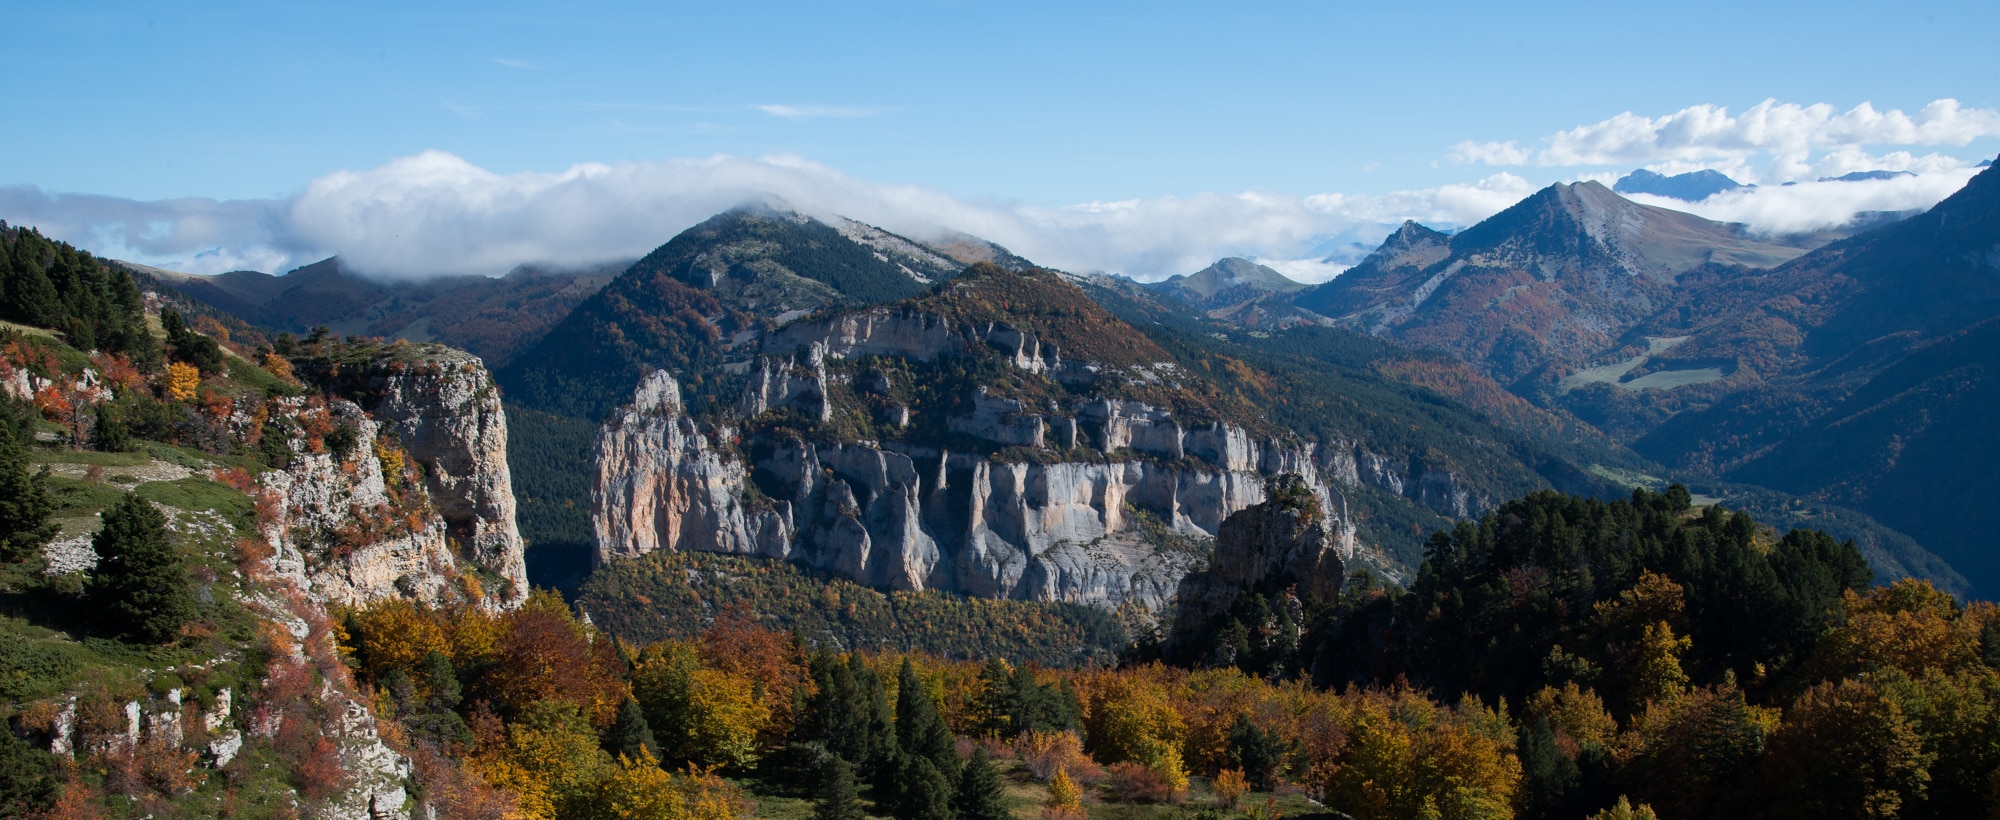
(1132, 719)
(1624, 810)
(1655, 665)
(1172, 772)
(1231, 785)
(726, 718)
(1909, 626)
(183, 380)
(393, 634)
(279, 366)
(557, 754)
(391, 459)
(1064, 795)
(1575, 712)
(1406, 758)
(641, 790)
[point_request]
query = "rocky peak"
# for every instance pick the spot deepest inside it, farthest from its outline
(1287, 544)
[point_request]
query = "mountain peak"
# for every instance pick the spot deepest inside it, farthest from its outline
(1694, 186)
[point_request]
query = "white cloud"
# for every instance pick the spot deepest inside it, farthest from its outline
(1309, 271)
(1810, 206)
(435, 213)
(1788, 133)
(521, 64)
(800, 112)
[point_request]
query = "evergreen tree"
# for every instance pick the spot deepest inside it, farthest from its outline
(925, 793)
(1257, 752)
(191, 347)
(920, 730)
(27, 777)
(981, 795)
(109, 433)
(140, 586)
(629, 733)
(837, 799)
(25, 502)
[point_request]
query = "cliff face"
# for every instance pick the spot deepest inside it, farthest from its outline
(1000, 436)
(908, 517)
(407, 499)
(450, 421)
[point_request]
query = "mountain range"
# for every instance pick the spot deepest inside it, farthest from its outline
(1441, 374)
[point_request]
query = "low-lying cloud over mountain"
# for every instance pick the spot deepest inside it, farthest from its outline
(435, 213)
(1800, 141)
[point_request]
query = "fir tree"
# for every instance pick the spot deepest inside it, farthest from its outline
(140, 585)
(981, 795)
(925, 792)
(920, 730)
(837, 799)
(629, 733)
(25, 502)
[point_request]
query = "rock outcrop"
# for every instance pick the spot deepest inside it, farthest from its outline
(336, 530)
(414, 495)
(448, 417)
(1286, 545)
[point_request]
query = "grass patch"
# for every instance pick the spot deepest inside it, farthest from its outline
(197, 494)
(77, 498)
(91, 457)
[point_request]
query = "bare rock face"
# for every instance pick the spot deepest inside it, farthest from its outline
(337, 531)
(1285, 544)
(448, 417)
(415, 494)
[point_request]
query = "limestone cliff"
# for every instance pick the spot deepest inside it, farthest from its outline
(410, 496)
(1104, 531)
(1000, 436)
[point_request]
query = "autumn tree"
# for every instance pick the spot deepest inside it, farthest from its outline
(140, 585)
(544, 653)
(183, 381)
(1065, 798)
(25, 503)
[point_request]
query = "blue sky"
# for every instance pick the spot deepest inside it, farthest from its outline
(1023, 107)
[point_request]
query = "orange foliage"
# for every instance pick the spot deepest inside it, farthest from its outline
(545, 654)
(182, 379)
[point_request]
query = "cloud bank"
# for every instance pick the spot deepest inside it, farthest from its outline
(1801, 142)
(436, 214)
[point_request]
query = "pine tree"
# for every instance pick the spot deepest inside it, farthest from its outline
(920, 731)
(1257, 752)
(140, 585)
(629, 733)
(27, 777)
(25, 502)
(981, 796)
(926, 792)
(837, 799)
